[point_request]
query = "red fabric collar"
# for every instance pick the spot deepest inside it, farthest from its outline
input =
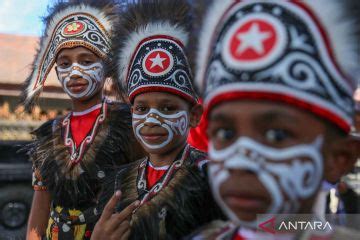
(81, 125)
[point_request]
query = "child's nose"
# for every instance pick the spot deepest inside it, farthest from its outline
(152, 120)
(75, 74)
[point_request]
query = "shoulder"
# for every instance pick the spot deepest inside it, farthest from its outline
(125, 170)
(47, 128)
(118, 107)
(119, 114)
(196, 156)
(199, 159)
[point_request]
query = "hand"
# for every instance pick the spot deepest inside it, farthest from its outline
(114, 225)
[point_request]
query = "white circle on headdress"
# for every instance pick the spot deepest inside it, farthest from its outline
(254, 42)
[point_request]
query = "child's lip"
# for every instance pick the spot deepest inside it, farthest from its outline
(77, 86)
(245, 201)
(77, 82)
(153, 136)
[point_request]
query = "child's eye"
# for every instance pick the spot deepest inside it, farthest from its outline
(64, 64)
(224, 134)
(86, 62)
(277, 136)
(141, 109)
(169, 108)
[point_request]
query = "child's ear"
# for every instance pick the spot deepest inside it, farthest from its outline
(132, 109)
(341, 158)
(195, 115)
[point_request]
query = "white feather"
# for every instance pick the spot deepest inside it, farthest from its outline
(151, 29)
(340, 29)
(210, 22)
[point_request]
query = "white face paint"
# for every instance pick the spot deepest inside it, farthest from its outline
(289, 174)
(93, 74)
(175, 124)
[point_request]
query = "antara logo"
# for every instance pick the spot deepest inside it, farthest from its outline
(305, 225)
(272, 226)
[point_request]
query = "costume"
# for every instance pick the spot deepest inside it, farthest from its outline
(152, 57)
(75, 155)
(299, 53)
(175, 205)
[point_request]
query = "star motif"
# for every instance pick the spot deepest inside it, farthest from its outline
(73, 27)
(253, 39)
(157, 61)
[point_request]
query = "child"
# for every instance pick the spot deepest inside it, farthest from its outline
(278, 94)
(173, 195)
(74, 155)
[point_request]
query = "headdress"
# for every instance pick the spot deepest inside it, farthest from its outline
(297, 52)
(150, 44)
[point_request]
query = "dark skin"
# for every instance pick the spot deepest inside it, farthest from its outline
(81, 55)
(40, 210)
(168, 104)
(39, 215)
(279, 126)
(117, 225)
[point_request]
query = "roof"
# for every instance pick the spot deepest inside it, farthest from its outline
(17, 53)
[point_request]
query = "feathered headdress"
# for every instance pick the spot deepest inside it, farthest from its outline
(150, 46)
(86, 23)
(303, 53)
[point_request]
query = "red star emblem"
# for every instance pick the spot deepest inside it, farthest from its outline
(74, 28)
(254, 42)
(158, 62)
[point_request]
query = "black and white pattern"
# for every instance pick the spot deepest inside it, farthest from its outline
(160, 62)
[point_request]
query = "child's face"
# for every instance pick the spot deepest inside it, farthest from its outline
(80, 72)
(161, 121)
(266, 158)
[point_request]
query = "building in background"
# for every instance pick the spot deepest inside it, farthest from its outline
(16, 54)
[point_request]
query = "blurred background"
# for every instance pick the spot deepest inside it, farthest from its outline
(20, 28)
(19, 35)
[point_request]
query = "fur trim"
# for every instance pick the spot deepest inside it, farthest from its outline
(340, 22)
(210, 22)
(199, 8)
(178, 209)
(145, 18)
(76, 186)
(104, 11)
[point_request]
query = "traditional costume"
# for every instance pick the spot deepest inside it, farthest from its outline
(152, 57)
(74, 155)
(301, 53)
